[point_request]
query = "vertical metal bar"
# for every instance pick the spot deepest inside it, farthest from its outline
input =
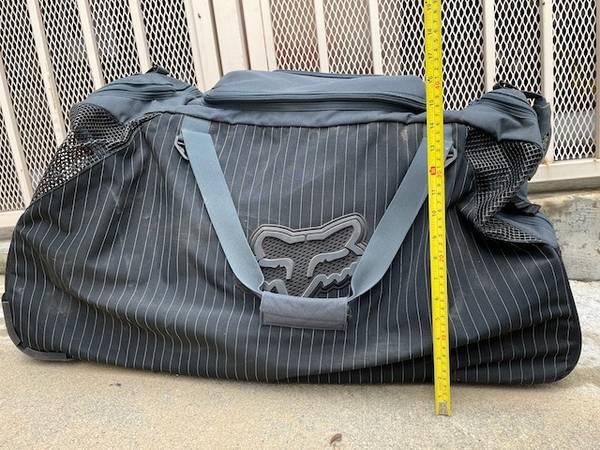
(14, 138)
(321, 36)
(255, 34)
(139, 32)
(547, 63)
(91, 46)
(207, 41)
(265, 9)
(597, 118)
(230, 34)
(489, 44)
(194, 43)
(375, 37)
(41, 46)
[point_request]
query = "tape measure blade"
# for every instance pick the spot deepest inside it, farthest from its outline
(437, 204)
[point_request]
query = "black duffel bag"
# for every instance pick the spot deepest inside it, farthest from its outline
(275, 228)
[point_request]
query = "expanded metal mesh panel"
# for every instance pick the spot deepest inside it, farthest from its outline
(67, 52)
(463, 52)
(403, 50)
(168, 37)
(574, 78)
(349, 49)
(517, 37)
(402, 37)
(10, 193)
(26, 87)
(295, 34)
(115, 39)
(348, 36)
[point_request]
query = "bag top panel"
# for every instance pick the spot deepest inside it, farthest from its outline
(309, 99)
(290, 85)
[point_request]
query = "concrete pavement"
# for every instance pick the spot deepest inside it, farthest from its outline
(84, 405)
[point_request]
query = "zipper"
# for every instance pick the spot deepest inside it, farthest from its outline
(142, 91)
(323, 74)
(139, 95)
(312, 101)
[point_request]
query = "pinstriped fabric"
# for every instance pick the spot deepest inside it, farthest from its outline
(121, 265)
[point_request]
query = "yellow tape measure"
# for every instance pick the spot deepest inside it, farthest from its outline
(437, 203)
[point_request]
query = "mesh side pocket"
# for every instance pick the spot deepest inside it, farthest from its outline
(500, 169)
(95, 133)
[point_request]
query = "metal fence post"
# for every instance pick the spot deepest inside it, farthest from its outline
(489, 44)
(321, 36)
(190, 17)
(375, 37)
(597, 111)
(14, 138)
(255, 34)
(207, 41)
(41, 47)
(139, 32)
(91, 43)
(230, 33)
(265, 9)
(547, 59)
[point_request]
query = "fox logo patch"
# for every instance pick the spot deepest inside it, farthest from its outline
(306, 261)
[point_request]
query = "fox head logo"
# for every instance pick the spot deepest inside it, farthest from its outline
(305, 261)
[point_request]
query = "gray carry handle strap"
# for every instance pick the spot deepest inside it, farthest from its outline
(397, 220)
(286, 310)
(209, 176)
